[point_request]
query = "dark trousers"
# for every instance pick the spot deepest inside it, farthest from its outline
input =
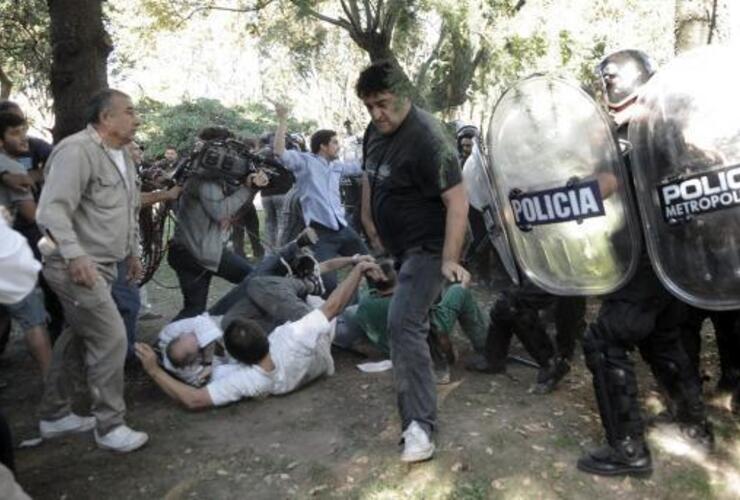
(270, 301)
(270, 265)
(195, 279)
(646, 316)
(419, 284)
(247, 221)
(126, 296)
(345, 242)
(727, 334)
(517, 312)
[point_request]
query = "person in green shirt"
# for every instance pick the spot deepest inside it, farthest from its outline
(369, 319)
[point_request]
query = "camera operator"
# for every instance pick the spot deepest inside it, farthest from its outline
(197, 251)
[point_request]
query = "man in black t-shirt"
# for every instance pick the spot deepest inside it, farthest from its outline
(414, 206)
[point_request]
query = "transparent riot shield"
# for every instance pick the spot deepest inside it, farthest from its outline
(566, 198)
(686, 160)
(481, 197)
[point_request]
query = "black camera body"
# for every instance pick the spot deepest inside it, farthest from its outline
(226, 160)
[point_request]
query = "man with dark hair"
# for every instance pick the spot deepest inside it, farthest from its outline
(170, 156)
(38, 149)
(293, 354)
(29, 313)
(89, 210)
(317, 181)
(414, 205)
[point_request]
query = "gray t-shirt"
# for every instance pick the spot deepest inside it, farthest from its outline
(10, 197)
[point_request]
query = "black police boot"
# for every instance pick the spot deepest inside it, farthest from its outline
(628, 456)
(550, 375)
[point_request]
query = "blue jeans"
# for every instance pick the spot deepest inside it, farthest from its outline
(344, 242)
(127, 299)
(419, 284)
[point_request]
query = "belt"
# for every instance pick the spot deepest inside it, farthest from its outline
(321, 227)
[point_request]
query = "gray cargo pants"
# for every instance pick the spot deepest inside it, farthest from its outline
(93, 342)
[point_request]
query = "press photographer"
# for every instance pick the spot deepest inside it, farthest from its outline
(218, 179)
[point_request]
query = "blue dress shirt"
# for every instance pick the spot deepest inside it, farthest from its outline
(317, 182)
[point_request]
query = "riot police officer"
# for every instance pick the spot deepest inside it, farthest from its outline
(641, 314)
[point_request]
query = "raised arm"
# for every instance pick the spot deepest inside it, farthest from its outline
(278, 144)
(342, 294)
(339, 262)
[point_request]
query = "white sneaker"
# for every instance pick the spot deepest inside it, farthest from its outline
(417, 445)
(122, 438)
(70, 424)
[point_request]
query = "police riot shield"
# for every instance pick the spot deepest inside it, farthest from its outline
(566, 198)
(481, 197)
(686, 160)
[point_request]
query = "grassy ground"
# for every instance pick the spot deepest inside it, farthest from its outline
(337, 438)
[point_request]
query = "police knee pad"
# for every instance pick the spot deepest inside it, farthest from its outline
(593, 347)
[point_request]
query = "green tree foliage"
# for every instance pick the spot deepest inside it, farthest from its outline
(25, 51)
(178, 125)
(434, 42)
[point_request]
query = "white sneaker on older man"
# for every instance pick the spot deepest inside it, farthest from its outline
(122, 439)
(70, 424)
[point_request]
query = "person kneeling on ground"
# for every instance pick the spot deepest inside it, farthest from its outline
(456, 304)
(294, 354)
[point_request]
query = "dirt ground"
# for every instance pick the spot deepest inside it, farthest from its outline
(338, 438)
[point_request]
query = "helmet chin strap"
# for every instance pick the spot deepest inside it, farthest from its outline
(623, 113)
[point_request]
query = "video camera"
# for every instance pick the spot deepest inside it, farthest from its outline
(228, 160)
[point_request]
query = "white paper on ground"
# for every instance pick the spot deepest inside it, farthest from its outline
(376, 367)
(30, 443)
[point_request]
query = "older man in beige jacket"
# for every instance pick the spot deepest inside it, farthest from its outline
(89, 210)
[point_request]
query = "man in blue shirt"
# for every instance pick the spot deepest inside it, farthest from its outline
(317, 179)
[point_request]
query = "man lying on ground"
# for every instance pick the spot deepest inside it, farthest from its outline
(191, 348)
(293, 355)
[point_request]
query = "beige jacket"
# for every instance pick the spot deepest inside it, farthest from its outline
(85, 205)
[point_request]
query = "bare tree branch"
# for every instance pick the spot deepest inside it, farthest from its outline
(259, 5)
(355, 12)
(421, 75)
(342, 23)
(6, 85)
(368, 15)
(354, 20)
(712, 22)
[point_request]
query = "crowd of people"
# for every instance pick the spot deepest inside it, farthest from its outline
(72, 211)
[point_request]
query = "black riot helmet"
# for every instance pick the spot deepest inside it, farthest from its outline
(621, 74)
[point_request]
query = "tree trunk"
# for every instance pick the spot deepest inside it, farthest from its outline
(80, 48)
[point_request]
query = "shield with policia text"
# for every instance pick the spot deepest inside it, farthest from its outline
(559, 174)
(481, 196)
(686, 160)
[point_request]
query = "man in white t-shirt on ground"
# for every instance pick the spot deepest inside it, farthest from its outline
(293, 355)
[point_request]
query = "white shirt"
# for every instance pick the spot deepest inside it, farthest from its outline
(206, 331)
(118, 158)
(300, 351)
(18, 269)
